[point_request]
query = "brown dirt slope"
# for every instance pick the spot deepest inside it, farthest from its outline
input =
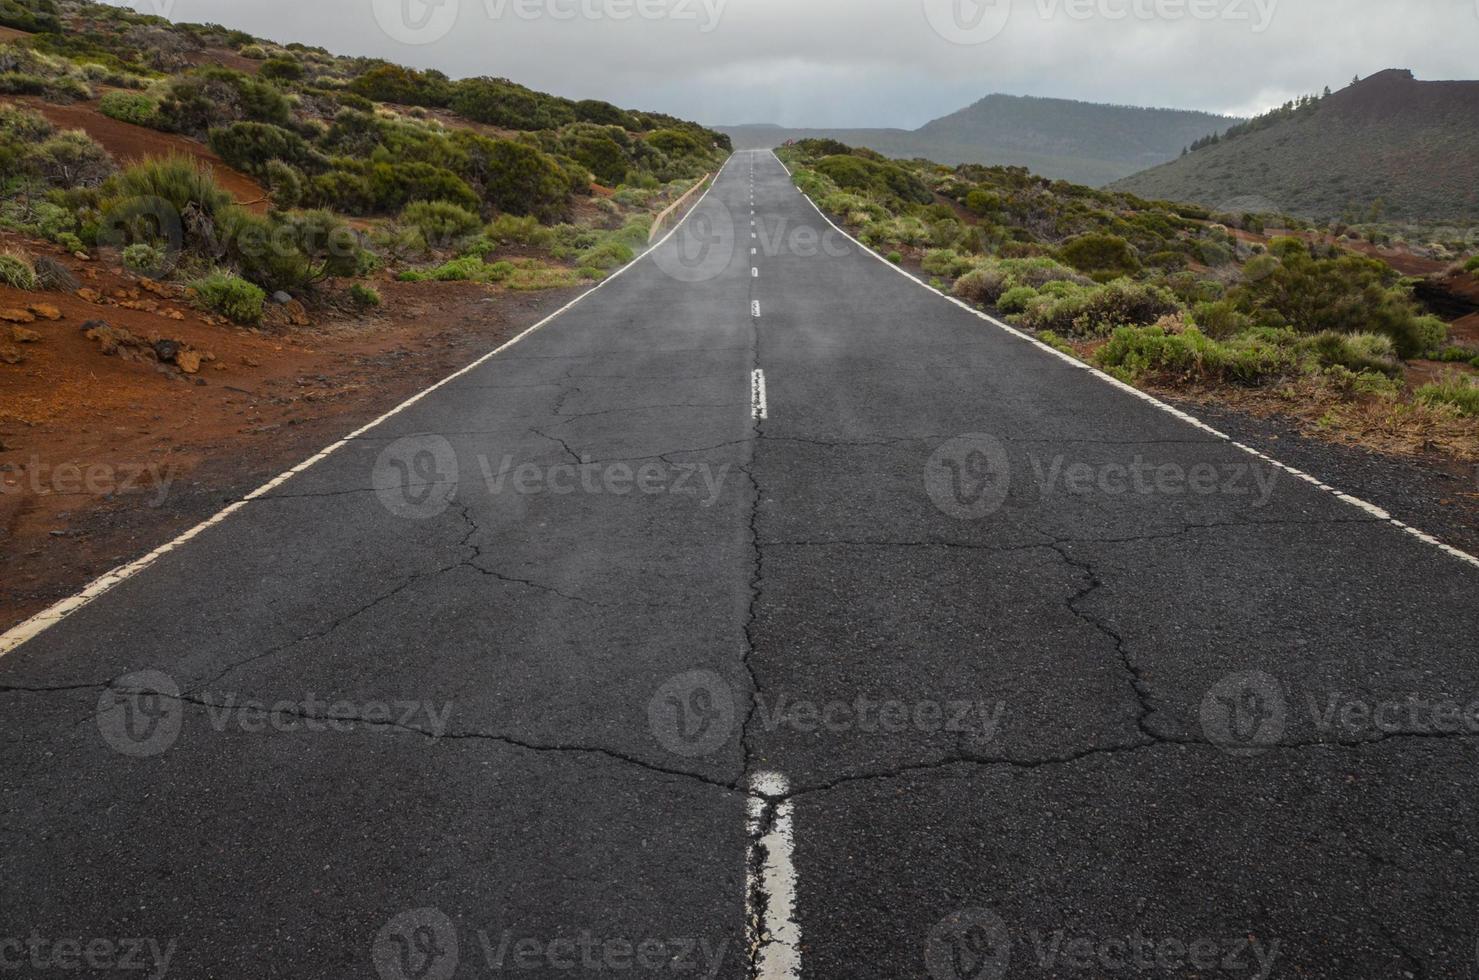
(129, 143)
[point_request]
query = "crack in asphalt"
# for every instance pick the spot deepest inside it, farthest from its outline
(1093, 584)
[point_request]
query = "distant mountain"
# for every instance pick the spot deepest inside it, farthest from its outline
(1084, 142)
(1407, 148)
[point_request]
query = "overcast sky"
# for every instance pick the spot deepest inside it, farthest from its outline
(882, 62)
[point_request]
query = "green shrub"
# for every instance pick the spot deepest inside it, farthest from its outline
(254, 52)
(502, 103)
(1359, 352)
(250, 146)
(130, 107)
(16, 271)
(521, 180)
(179, 181)
(1456, 390)
(1346, 293)
(292, 250)
(30, 15)
(468, 268)
(231, 296)
(606, 256)
(207, 97)
(285, 182)
(1472, 265)
(896, 258)
(1250, 359)
(1220, 318)
(520, 230)
(394, 185)
(1016, 299)
(947, 262)
(440, 221)
(1103, 257)
(145, 260)
(69, 160)
(991, 278)
(282, 70)
(364, 297)
(1097, 310)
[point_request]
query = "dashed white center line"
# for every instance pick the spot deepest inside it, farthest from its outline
(755, 308)
(774, 935)
(754, 273)
(758, 403)
(754, 251)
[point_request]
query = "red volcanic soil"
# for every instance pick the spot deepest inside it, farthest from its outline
(129, 143)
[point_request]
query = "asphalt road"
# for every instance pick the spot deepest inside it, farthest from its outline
(920, 653)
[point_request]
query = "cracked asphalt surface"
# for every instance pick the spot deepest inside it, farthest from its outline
(502, 670)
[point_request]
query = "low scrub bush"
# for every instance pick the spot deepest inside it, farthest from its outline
(513, 229)
(364, 297)
(16, 271)
(1089, 311)
(1472, 265)
(1102, 257)
(1017, 299)
(1358, 352)
(285, 182)
(145, 260)
(250, 146)
(993, 277)
(947, 262)
(292, 250)
(1191, 355)
(230, 296)
(1456, 390)
(440, 221)
(130, 107)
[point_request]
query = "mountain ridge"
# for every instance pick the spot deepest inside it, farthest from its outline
(1084, 142)
(1388, 146)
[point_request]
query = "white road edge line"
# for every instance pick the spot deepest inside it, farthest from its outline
(774, 935)
(49, 617)
(1356, 502)
(758, 404)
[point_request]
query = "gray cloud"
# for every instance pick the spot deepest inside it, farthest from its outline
(883, 62)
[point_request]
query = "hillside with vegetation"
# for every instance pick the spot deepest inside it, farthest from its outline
(1386, 148)
(1084, 142)
(239, 169)
(1173, 297)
